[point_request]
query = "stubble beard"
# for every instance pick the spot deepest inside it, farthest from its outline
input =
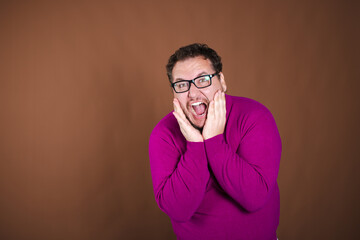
(192, 124)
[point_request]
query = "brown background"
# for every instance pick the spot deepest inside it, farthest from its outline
(83, 83)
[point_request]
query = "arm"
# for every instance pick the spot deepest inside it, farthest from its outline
(179, 178)
(249, 172)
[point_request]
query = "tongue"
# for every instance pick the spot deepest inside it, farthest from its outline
(200, 109)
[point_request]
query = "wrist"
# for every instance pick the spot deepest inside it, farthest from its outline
(208, 136)
(196, 140)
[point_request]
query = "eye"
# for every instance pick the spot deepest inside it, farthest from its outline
(181, 85)
(204, 79)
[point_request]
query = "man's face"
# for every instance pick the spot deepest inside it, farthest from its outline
(195, 102)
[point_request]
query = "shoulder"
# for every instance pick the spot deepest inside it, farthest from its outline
(167, 128)
(249, 118)
(242, 106)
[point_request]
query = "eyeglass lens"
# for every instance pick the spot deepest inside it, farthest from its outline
(200, 82)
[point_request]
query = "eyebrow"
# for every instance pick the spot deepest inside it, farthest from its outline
(200, 74)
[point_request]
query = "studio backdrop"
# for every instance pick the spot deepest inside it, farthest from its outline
(83, 83)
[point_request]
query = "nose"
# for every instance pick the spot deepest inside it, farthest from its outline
(193, 91)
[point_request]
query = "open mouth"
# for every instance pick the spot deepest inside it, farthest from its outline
(199, 108)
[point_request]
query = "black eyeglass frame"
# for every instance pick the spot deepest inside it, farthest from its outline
(193, 82)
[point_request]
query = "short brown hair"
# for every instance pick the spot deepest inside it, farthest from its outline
(190, 51)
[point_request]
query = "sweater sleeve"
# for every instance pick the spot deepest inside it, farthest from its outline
(247, 172)
(179, 179)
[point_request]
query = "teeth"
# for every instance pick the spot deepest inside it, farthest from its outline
(196, 104)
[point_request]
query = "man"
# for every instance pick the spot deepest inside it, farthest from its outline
(215, 159)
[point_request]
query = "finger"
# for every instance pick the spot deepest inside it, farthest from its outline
(179, 109)
(211, 109)
(221, 110)
(182, 123)
(216, 96)
(176, 116)
(218, 103)
(187, 130)
(181, 118)
(223, 102)
(220, 107)
(212, 103)
(221, 97)
(176, 105)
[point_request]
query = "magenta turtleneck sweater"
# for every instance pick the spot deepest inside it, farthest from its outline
(224, 187)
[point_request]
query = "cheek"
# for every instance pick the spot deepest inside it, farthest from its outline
(210, 94)
(181, 99)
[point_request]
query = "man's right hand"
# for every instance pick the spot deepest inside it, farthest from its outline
(190, 133)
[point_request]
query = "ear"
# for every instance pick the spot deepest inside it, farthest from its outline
(222, 81)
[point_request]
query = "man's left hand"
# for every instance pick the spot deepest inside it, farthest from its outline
(216, 117)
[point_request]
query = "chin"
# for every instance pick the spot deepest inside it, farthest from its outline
(199, 126)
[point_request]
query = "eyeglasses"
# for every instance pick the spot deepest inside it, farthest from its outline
(199, 82)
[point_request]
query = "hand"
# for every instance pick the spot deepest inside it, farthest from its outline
(190, 133)
(216, 116)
